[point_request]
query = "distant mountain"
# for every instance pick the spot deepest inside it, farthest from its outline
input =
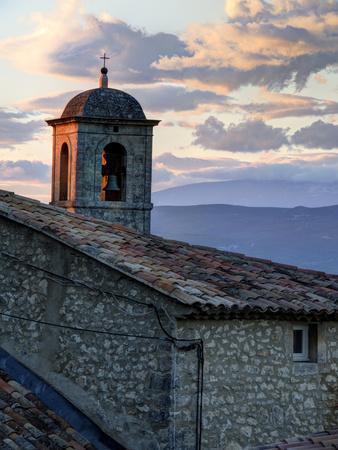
(306, 237)
(283, 194)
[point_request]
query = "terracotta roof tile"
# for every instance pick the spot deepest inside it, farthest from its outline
(322, 440)
(29, 427)
(211, 280)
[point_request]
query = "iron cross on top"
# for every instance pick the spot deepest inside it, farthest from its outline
(104, 57)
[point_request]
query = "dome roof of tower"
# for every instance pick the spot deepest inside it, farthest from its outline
(104, 103)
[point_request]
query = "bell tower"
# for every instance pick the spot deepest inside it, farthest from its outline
(102, 157)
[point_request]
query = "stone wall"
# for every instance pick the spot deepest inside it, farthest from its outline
(86, 141)
(64, 135)
(122, 383)
(253, 391)
(143, 391)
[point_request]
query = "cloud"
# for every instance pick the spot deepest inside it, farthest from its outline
(160, 98)
(274, 74)
(68, 42)
(321, 168)
(161, 175)
(322, 171)
(255, 136)
(295, 8)
(171, 170)
(133, 52)
(28, 178)
(173, 162)
(245, 9)
(24, 171)
(16, 127)
(252, 136)
(318, 135)
(263, 43)
(263, 10)
(180, 123)
(53, 104)
(278, 105)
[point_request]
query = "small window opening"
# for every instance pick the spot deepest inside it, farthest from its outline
(305, 344)
(116, 129)
(113, 186)
(64, 163)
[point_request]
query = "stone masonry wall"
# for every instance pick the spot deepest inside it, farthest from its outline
(253, 391)
(65, 135)
(86, 142)
(142, 391)
(123, 383)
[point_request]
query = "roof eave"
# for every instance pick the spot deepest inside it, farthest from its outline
(102, 120)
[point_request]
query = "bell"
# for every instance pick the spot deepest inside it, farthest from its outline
(112, 184)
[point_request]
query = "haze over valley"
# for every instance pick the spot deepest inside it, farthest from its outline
(298, 235)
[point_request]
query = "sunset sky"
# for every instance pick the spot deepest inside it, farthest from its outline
(245, 89)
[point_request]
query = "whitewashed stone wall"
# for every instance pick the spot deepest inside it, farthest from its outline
(143, 392)
(253, 391)
(122, 383)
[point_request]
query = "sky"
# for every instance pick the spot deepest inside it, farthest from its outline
(244, 89)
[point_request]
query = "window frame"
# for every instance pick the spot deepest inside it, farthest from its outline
(304, 356)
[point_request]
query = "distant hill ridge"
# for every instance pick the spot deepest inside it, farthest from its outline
(306, 237)
(284, 194)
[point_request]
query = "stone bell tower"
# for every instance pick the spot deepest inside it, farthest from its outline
(102, 157)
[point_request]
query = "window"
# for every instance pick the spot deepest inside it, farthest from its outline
(113, 187)
(64, 158)
(301, 343)
(115, 129)
(305, 343)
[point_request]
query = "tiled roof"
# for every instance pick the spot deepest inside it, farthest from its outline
(27, 424)
(211, 280)
(327, 440)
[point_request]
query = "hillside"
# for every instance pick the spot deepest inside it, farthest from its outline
(306, 237)
(282, 194)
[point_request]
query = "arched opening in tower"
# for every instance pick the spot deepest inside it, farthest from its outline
(113, 186)
(64, 163)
